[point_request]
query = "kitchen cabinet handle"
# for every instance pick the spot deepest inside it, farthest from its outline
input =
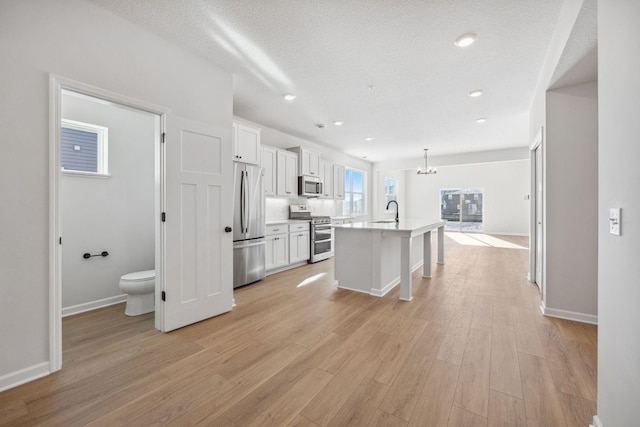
(276, 229)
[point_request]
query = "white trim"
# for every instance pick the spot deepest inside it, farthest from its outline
(568, 315)
(84, 174)
(93, 305)
(14, 379)
(56, 85)
(596, 422)
(285, 267)
(538, 142)
(382, 292)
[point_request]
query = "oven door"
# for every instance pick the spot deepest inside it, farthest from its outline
(321, 232)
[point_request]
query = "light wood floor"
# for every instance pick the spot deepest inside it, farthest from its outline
(471, 349)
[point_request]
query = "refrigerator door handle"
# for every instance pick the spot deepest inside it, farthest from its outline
(242, 200)
(250, 245)
(246, 204)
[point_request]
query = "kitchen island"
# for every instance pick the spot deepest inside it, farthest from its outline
(373, 257)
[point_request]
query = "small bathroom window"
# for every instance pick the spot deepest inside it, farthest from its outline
(83, 148)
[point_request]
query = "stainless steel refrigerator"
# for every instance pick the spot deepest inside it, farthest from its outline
(248, 225)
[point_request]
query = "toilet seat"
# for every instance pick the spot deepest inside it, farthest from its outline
(139, 276)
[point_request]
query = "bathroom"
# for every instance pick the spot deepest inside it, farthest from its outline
(107, 207)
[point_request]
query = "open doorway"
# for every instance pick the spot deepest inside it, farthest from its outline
(107, 200)
(536, 228)
(192, 179)
(106, 195)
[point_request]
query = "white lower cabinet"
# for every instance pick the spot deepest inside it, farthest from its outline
(299, 249)
(277, 251)
(287, 245)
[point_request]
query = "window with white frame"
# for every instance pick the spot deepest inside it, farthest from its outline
(83, 148)
(390, 190)
(355, 202)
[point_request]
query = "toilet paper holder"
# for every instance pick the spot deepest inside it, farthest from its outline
(87, 255)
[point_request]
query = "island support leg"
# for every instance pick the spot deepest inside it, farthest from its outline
(441, 245)
(405, 269)
(426, 254)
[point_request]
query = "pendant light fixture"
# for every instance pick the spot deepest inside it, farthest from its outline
(427, 170)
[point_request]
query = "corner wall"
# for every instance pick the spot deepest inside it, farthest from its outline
(619, 178)
(571, 203)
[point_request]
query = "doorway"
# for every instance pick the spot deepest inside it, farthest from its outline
(462, 209)
(107, 198)
(536, 238)
(77, 170)
(193, 241)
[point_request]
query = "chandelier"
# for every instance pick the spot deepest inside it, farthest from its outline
(427, 170)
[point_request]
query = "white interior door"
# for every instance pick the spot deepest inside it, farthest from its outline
(539, 236)
(198, 264)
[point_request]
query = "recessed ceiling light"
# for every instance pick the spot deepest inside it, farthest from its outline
(320, 125)
(481, 120)
(369, 138)
(338, 123)
(363, 157)
(465, 40)
(289, 96)
(475, 93)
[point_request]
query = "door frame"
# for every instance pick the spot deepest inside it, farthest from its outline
(56, 85)
(533, 236)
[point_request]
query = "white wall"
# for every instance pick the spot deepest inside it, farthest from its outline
(115, 214)
(505, 186)
(80, 41)
(619, 178)
(571, 202)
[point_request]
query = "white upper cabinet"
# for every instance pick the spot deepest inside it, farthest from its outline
(309, 161)
(246, 144)
(326, 174)
(287, 174)
(338, 182)
(269, 166)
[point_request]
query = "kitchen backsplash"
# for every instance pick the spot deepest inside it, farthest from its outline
(278, 208)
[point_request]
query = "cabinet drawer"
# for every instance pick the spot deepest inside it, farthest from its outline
(299, 227)
(276, 229)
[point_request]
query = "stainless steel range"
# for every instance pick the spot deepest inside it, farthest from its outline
(321, 235)
(321, 238)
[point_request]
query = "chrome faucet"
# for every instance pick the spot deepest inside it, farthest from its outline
(397, 208)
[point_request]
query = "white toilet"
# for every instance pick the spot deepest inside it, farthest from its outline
(140, 289)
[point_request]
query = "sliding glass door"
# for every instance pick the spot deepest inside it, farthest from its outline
(462, 209)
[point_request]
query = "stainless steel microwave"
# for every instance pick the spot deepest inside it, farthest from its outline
(309, 186)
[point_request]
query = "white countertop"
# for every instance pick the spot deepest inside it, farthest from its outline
(403, 227)
(286, 221)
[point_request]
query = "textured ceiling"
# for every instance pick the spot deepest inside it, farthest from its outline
(330, 52)
(579, 60)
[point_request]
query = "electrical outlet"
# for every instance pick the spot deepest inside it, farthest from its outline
(614, 221)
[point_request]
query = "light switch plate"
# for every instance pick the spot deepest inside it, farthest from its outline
(614, 221)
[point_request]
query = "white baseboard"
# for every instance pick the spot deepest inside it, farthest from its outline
(596, 422)
(382, 292)
(569, 315)
(285, 268)
(93, 305)
(14, 379)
